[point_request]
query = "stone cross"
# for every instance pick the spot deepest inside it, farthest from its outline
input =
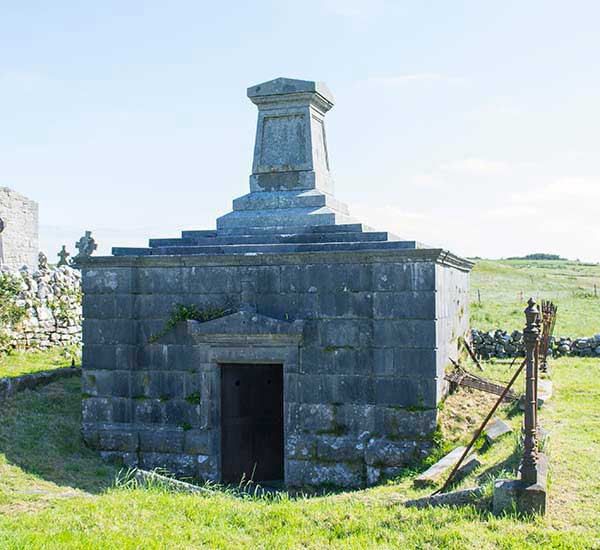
(86, 245)
(42, 262)
(290, 152)
(63, 255)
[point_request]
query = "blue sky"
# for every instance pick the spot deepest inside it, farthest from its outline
(470, 125)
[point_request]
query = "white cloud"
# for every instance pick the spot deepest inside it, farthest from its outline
(410, 78)
(353, 8)
(564, 190)
(477, 166)
(428, 181)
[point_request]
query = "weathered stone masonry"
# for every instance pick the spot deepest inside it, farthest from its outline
(361, 322)
(18, 230)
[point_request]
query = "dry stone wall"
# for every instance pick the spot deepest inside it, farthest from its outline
(50, 304)
(501, 344)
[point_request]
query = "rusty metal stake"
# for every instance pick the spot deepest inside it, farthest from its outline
(478, 432)
(473, 356)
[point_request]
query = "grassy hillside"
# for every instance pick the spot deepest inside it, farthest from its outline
(505, 286)
(55, 493)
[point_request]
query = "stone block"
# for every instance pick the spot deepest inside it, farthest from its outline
(99, 306)
(373, 475)
(99, 356)
(464, 497)
(399, 422)
(120, 458)
(404, 305)
(105, 409)
(207, 467)
(326, 278)
(105, 383)
(162, 441)
(294, 472)
(300, 446)
(157, 384)
(181, 413)
(315, 360)
(355, 418)
(114, 440)
(344, 332)
(383, 452)
(125, 357)
(400, 392)
(407, 333)
(160, 280)
(186, 357)
(199, 442)
(435, 472)
(496, 429)
(345, 305)
(212, 280)
(470, 464)
(339, 475)
(148, 411)
(179, 464)
(506, 494)
(332, 448)
(105, 331)
(339, 388)
(404, 276)
(315, 417)
(111, 280)
(351, 361)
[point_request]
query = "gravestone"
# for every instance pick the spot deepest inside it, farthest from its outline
(324, 339)
(18, 230)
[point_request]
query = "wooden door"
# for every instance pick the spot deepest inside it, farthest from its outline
(252, 422)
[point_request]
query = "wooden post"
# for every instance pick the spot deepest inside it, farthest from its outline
(531, 336)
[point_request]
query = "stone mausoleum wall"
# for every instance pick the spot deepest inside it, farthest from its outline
(360, 389)
(51, 300)
(362, 323)
(19, 238)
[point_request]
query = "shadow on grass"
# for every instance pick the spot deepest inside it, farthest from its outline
(40, 433)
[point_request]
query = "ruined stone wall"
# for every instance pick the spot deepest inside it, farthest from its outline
(19, 239)
(360, 395)
(51, 302)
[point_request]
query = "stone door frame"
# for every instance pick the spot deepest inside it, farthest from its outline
(263, 341)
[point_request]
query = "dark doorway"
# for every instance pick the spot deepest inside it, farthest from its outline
(252, 422)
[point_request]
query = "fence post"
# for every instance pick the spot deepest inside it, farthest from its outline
(531, 336)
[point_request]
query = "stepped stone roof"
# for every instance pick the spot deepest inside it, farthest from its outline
(291, 206)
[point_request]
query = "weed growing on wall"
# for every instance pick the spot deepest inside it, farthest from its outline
(11, 312)
(191, 312)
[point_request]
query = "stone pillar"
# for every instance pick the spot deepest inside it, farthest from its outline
(290, 152)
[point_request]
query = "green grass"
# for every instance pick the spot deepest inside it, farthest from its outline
(26, 362)
(55, 493)
(506, 285)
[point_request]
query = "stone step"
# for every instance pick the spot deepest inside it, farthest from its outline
(276, 239)
(277, 200)
(289, 230)
(496, 429)
(289, 217)
(265, 248)
(434, 473)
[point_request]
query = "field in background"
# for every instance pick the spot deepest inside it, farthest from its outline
(55, 493)
(505, 286)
